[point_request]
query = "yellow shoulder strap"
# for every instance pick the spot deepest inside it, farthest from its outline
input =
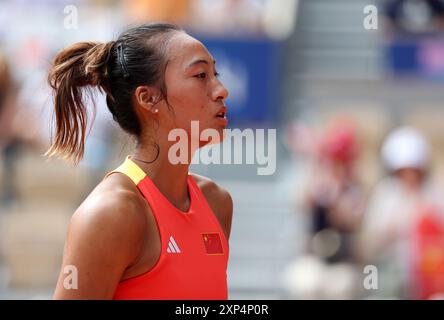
(130, 169)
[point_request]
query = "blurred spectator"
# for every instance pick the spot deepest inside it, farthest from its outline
(17, 128)
(392, 222)
(416, 16)
(6, 94)
(334, 197)
(239, 18)
(427, 258)
(222, 17)
(335, 201)
(175, 11)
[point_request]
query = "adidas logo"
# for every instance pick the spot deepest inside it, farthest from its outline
(172, 246)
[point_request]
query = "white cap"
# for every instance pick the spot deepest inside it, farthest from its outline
(405, 147)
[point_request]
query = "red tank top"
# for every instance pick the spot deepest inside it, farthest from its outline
(194, 257)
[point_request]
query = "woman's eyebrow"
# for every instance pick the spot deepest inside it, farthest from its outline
(200, 61)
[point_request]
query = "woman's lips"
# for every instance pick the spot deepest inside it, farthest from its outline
(222, 116)
(222, 112)
(222, 120)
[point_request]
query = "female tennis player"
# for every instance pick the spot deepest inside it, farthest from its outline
(150, 229)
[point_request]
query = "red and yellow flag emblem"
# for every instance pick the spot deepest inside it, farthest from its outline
(213, 244)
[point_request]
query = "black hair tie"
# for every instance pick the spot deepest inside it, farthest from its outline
(121, 59)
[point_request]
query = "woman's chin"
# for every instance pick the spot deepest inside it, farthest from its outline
(213, 140)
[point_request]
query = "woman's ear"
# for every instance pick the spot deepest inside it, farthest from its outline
(147, 97)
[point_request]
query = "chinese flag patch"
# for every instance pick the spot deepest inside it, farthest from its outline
(212, 242)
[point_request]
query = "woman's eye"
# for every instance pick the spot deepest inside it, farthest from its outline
(203, 75)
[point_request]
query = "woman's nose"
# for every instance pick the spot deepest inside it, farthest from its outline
(220, 93)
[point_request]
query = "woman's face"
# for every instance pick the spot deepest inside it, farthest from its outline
(412, 178)
(193, 89)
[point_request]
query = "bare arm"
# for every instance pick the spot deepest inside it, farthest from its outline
(104, 238)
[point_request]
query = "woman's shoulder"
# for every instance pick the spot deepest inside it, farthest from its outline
(115, 208)
(116, 193)
(211, 188)
(219, 200)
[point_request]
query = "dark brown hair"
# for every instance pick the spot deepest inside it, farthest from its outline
(118, 67)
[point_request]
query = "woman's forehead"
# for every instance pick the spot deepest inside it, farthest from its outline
(184, 50)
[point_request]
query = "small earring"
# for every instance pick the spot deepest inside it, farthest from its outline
(156, 110)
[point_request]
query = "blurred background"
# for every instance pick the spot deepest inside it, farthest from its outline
(354, 89)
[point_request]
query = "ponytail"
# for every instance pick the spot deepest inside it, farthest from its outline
(76, 68)
(136, 58)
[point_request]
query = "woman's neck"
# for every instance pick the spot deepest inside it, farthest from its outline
(170, 179)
